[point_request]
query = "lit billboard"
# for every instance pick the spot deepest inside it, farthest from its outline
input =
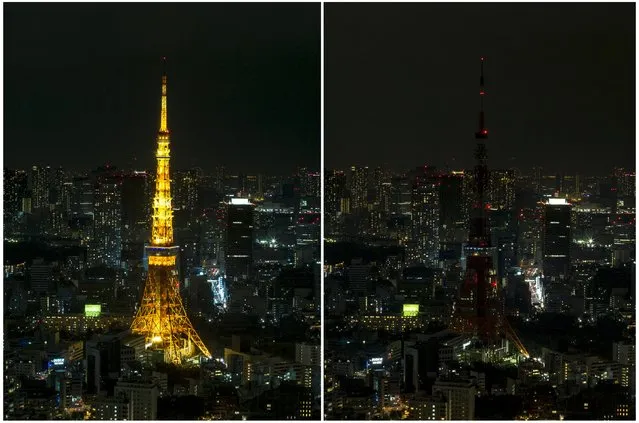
(411, 310)
(92, 310)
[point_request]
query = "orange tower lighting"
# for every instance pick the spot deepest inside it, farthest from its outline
(161, 317)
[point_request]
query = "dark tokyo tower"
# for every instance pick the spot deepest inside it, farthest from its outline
(479, 306)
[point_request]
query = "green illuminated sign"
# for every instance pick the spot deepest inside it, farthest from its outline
(92, 310)
(411, 309)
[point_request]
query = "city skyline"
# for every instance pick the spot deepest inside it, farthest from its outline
(559, 81)
(182, 240)
(190, 291)
(500, 285)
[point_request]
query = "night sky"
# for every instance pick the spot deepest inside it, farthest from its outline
(401, 85)
(82, 85)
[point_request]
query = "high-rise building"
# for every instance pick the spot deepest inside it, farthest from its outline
(334, 186)
(401, 194)
(359, 277)
(15, 189)
(425, 218)
(186, 185)
(233, 185)
(66, 197)
(239, 239)
(307, 235)
(559, 184)
(427, 407)
(212, 235)
(453, 211)
(81, 216)
(381, 185)
(106, 245)
(310, 182)
(537, 176)
(503, 233)
(135, 208)
(385, 197)
(253, 186)
(56, 186)
(82, 196)
(378, 178)
(220, 176)
(39, 183)
(359, 187)
(501, 189)
(111, 408)
(41, 275)
(624, 353)
(556, 239)
(625, 182)
(307, 354)
(142, 398)
(345, 203)
(460, 398)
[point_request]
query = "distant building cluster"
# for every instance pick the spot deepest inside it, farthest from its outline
(397, 251)
(74, 270)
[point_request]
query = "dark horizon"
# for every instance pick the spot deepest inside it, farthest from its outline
(525, 171)
(82, 85)
(402, 82)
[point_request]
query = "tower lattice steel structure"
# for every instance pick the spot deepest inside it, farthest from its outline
(479, 308)
(161, 317)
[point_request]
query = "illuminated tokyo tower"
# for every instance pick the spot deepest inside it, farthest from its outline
(479, 307)
(161, 317)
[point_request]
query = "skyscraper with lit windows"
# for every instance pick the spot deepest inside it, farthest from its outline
(239, 239)
(453, 216)
(39, 182)
(106, 245)
(359, 187)
(501, 189)
(15, 189)
(425, 218)
(334, 190)
(556, 239)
